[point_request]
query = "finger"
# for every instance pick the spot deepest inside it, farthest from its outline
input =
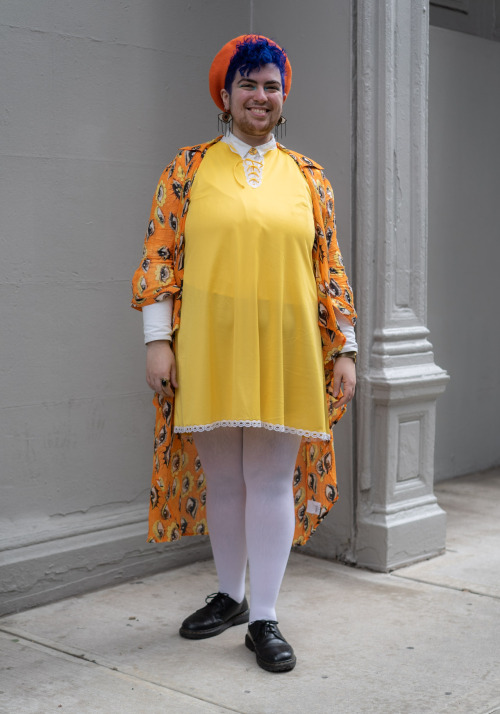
(173, 376)
(346, 398)
(341, 402)
(166, 387)
(165, 392)
(337, 379)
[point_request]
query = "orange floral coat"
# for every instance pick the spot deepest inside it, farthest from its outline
(178, 489)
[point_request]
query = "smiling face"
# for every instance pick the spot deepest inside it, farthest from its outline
(255, 104)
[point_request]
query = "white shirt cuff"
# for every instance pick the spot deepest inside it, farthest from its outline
(157, 320)
(348, 330)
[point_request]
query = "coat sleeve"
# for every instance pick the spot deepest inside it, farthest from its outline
(154, 278)
(339, 288)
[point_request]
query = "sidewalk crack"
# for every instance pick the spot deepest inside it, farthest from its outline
(78, 655)
(444, 585)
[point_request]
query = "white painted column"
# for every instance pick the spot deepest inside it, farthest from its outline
(398, 519)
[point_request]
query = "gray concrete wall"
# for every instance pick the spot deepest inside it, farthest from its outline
(464, 247)
(96, 98)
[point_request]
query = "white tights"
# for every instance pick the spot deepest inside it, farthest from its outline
(250, 509)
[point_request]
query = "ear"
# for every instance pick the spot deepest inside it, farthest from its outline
(226, 98)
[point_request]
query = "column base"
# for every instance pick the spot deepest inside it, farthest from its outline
(386, 541)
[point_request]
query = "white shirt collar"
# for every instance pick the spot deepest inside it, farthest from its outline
(239, 146)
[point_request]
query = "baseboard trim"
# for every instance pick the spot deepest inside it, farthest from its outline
(100, 554)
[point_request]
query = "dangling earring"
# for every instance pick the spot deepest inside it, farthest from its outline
(281, 124)
(225, 123)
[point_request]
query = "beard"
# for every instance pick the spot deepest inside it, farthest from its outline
(245, 123)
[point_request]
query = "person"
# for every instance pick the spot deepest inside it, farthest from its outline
(249, 326)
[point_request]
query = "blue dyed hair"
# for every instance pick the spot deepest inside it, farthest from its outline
(253, 53)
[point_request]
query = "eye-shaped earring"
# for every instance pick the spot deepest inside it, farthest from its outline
(225, 123)
(280, 126)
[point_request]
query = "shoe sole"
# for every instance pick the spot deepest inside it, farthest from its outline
(284, 666)
(212, 632)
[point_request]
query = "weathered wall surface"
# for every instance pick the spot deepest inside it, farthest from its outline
(96, 98)
(464, 247)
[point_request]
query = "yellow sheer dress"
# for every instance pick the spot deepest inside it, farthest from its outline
(248, 347)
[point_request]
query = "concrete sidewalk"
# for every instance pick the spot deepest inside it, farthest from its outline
(423, 639)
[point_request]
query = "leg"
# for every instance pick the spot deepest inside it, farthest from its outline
(220, 452)
(268, 463)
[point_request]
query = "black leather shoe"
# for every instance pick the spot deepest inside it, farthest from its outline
(220, 612)
(272, 650)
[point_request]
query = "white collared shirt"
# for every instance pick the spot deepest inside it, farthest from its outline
(252, 156)
(239, 146)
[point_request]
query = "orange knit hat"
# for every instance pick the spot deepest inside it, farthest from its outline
(218, 70)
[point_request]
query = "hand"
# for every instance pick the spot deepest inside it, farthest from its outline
(344, 374)
(160, 364)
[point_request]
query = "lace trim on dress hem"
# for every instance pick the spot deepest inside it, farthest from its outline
(255, 423)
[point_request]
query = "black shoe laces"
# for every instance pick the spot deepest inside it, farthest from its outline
(210, 599)
(270, 626)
